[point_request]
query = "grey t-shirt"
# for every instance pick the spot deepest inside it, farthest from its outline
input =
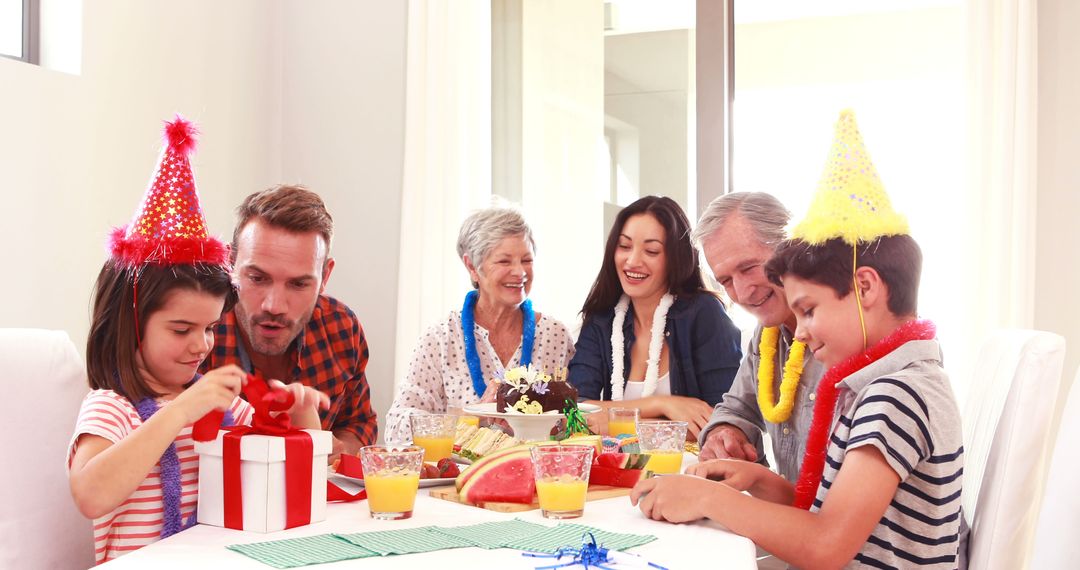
(903, 406)
(740, 407)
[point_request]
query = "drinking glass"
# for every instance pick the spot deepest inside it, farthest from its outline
(562, 479)
(391, 476)
(622, 421)
(665, 442)
(435, 433)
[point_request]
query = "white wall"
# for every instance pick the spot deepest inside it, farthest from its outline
(560, 110)
(343, 114)
(76, 152)
(282, 90)
(1057, 273)
(647, 84)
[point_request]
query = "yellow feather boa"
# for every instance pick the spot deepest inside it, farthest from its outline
(778, 412)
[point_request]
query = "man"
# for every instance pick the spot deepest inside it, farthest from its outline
(738, 233)
(283, 325)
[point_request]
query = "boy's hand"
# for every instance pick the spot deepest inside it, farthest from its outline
(674, 498)
(216, 390)
(726, 441)
(737, 474)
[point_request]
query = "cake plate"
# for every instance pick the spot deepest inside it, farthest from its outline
(527, 427)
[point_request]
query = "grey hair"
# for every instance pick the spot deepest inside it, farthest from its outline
(765, 213)
(484, 229)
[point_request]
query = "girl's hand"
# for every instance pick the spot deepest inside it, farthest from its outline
(216, 390)
(305, 398)
(686, 409)
(307, 402)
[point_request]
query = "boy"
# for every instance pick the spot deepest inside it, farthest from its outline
(883, 469)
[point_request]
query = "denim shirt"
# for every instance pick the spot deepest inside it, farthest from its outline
(703, 350)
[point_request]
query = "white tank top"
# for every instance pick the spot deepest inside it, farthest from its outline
(633, 388)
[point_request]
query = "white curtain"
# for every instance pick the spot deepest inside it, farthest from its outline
(447, 158)
(1001, 200)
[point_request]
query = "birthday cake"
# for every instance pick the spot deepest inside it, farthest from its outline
(530, 391)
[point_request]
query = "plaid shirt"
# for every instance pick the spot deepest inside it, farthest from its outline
(331, 355)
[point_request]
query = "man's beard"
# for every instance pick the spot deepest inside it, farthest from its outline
(271, 347)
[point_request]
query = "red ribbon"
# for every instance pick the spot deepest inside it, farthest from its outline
(298, 452)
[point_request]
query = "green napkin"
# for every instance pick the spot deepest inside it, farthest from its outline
(492, 535)
(294, 552)
(551, 540)
(404, 541)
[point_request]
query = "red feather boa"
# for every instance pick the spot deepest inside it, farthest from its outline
(825, 404)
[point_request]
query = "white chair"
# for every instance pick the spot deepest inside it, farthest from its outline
(1056, 542)
(43, 381)
(1007, 424)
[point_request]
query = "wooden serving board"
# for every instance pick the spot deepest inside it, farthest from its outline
(594, 493)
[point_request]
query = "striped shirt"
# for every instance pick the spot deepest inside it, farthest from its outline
(138, 520)
(903, 405)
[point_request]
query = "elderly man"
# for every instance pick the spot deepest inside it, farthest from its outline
(737, 233)
(284, 326)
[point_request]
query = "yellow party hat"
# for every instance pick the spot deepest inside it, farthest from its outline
(850, 202)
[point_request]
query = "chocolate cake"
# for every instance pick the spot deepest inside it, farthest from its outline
(533, 393)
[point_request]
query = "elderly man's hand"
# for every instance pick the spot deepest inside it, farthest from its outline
(726, 441)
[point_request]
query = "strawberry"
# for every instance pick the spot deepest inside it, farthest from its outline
(448, 468)
(429, 471)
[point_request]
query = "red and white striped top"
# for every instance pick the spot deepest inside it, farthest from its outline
(138, 520)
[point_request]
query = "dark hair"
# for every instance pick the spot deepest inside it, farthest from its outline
(897, 259)
(683, 272)
(289, 207)
(113, 340)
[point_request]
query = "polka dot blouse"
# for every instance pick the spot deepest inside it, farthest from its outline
(438, 375)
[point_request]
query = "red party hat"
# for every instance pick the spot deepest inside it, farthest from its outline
(169, 228)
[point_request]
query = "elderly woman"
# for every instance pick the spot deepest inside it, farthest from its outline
(495, 330)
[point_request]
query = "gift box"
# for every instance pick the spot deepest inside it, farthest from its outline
(264, 504)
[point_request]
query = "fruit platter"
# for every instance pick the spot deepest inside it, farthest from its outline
(349, 468)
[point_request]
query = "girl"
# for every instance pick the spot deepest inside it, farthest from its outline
(653, 336)
(132, 464)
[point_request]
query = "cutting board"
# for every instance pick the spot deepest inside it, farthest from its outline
(595, 492)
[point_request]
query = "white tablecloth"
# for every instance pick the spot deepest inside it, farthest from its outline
(677, 546)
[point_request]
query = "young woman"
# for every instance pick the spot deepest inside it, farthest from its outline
(654, 337)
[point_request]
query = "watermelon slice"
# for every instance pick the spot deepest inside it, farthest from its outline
(615, 477)
(464, 477)
(622, 460)
(500, 478)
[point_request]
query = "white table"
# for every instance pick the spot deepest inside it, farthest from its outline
(677, 546)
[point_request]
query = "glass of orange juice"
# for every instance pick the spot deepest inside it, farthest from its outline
(391, 476)
(435, 433)
(562, 479)
(463, 418)
(664, 441)
(622, 421)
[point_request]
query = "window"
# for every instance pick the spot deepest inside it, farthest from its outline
(18, 29)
